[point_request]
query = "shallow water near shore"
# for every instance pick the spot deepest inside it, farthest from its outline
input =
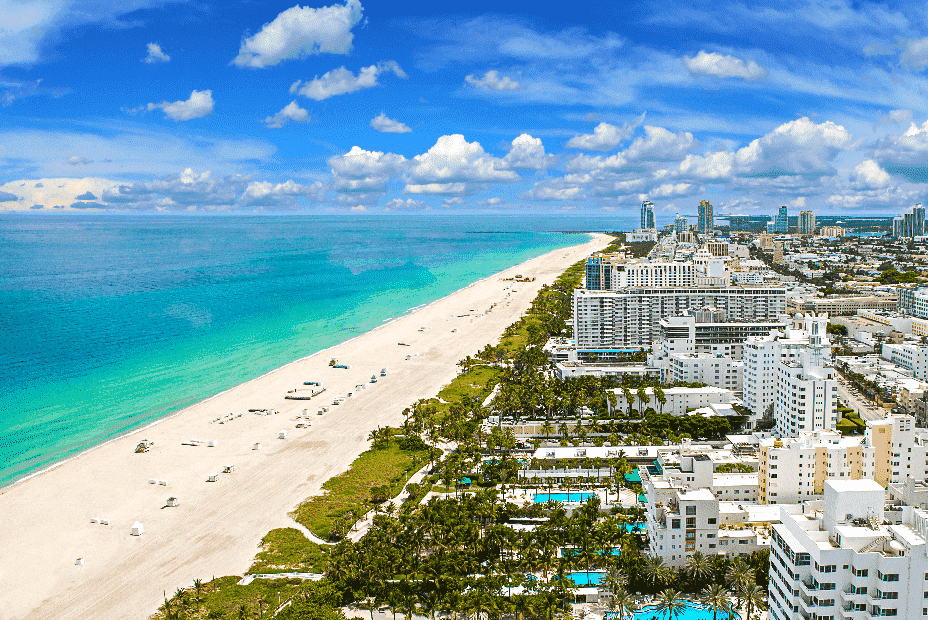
(109, 323)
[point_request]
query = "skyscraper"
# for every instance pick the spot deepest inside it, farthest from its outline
(782, 221)
(910, 224)
(681, 224)
(647, 214)
(706, 221)
(806, 223)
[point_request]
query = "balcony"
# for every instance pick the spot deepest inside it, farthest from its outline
(851, 597)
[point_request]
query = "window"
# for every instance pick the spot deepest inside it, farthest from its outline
(691, 510)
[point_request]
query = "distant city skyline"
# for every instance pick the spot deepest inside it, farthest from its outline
(348, 107)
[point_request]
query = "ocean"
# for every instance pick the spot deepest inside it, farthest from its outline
(108, 323)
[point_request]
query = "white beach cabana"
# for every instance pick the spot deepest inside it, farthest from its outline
(213, 477)
(282, 434)
(137, 529)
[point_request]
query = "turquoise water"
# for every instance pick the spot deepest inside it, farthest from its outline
(108, 323)
(586, 579)
(565, 498)
(692, 611)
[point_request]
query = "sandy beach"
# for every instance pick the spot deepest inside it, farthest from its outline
(45, 521)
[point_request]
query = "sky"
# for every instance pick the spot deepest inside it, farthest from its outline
(146, 106)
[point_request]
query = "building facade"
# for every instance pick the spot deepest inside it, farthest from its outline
(706, 218)
(647, 215)
(793, 470)
(806, 223)
(781, 223)
(806, 395)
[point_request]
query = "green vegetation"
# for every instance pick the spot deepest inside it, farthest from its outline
(348, 496)
(286, 550)
(837, 329)
(727, 468)
(891, 276)
(224, 598)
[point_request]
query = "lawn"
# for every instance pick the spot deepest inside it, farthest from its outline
(351, 491)
(287, 550)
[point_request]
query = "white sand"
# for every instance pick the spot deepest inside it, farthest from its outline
(45, 520)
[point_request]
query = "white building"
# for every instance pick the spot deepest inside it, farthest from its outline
(806, 395)
(838, 560)
(678, 399)
(642, 234)
(631, 318)
(715, 370)
(899, 450)
(761, 355)
(908, 355)
(794, 470)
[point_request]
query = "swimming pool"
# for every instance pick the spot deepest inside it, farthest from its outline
(564, 498)
(586, 579)
(692, 611)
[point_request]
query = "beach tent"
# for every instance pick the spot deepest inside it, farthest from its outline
(282, 434)
(172, 502)
(228, 469)
(213, 478)
(257, 446)
(211, 443)
(79, 561)
(137, 529)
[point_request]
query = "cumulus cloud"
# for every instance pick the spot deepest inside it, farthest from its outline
(8, 197)
(454, 166)
(410, 204)
(385, 124)
(155, 55)
(527, 153)
(361, 176)
(894, 117)
(659, 144)
(545, 192)
(904, 154)
(342, 81)
(300, 32)
(869, 175)
(723, 66)
(800, 147)
(79, 161)
(915, 54)
(86, 196)
(88, 205)
(492, 80)
(605, 136)
(291, 112)
(266, 194)
(199, 104)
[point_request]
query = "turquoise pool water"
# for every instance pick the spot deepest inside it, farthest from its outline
(586, 579)
(565, 498)
(692, 611)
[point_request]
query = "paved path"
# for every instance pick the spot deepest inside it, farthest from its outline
(858, 404)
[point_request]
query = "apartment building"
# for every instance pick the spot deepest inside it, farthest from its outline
(806, 393)
(761, 354)
(837, 306)
(837, 559)
(794, 469)
(630, 318)
(679, 400)
(908, 355)
(899, 450)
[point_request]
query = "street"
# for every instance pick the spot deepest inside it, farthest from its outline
(858, 404)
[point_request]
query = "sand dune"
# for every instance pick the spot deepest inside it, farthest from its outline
(45, 521)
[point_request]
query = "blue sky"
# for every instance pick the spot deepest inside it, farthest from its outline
(145, 106)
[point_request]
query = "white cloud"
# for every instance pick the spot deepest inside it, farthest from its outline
(79, 161)
(800, 147)
(155, 55)
(279, 195)
(908, 148)
(199, 105)
(385, 124)
(723, 66)
(894, 117)
(361, 176)
(342, 81)
(453, 165)
(915, 54)
(291, 112)
(410, 204)
(52, 191)
(544, 192)
(527, 153)
(605, 136)
(299, 32)
(359, 208)
(869, 175)
(492, 80)
(659, 144)
(669, 189)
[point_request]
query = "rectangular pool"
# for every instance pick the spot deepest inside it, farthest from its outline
(564, 498)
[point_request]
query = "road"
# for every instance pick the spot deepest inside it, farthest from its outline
(858, 403)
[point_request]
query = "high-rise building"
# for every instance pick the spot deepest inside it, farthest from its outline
(911, 223)
(806, 395)
(681, 224)
(848, 556)
(771, 227)
(782, 221)
(630, 318)
(706, 219)
(647, 215)
(806, 223)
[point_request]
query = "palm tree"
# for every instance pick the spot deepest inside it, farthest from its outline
(699, 567)
(623, 604)
(671, 604)
(740, 577)
(643, 398)
(655, 572)
(754, 599)
(716, 598)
